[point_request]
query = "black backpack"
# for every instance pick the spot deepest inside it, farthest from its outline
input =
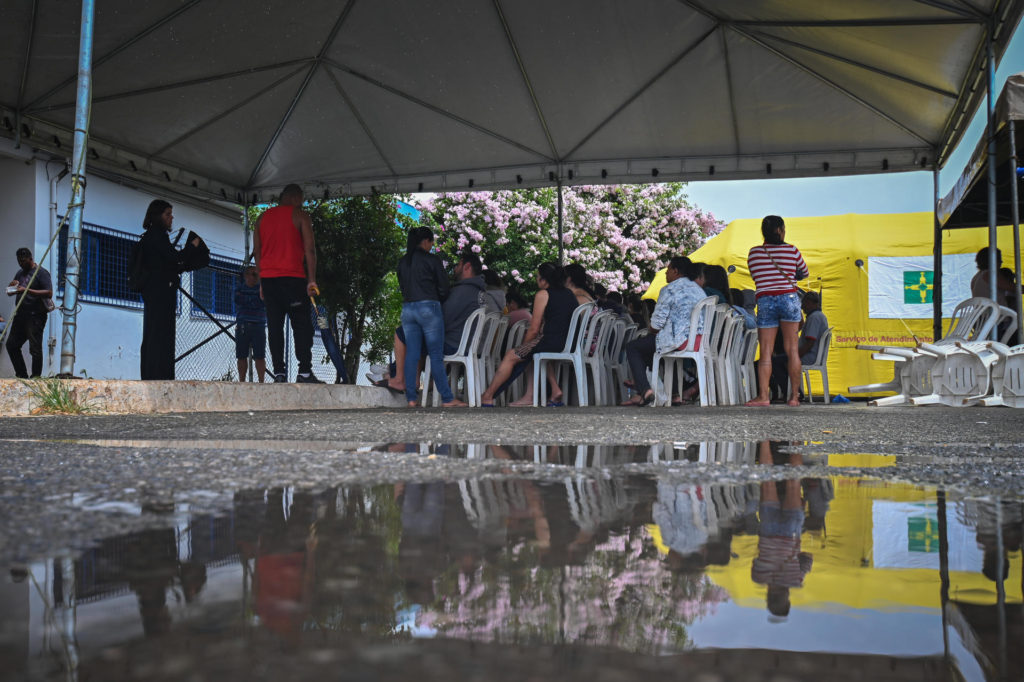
(137, 274)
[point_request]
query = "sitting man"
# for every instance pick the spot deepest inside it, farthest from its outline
(467, 295)
(670, 326)
(814, 327)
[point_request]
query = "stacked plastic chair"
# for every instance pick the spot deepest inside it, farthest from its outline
(973, 319)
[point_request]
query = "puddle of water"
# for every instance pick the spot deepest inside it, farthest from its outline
(515, 578)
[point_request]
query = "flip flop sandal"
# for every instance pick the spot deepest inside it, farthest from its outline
(555, 403)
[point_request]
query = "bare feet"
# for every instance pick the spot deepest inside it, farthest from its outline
(413, 403)
(756, 403)
(793, 402)
(454, 403)
(525, 401)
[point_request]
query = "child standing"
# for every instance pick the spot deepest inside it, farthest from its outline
(250, 324)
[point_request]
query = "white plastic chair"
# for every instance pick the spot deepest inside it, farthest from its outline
(702, 319)
(468, 356)
(616, 372)
(748, 365)
(1007, 376)
(728, 322)
(819, 365)
(514, 338)
(960, 375)
(571, 353)
(973, 319)
(595, 355)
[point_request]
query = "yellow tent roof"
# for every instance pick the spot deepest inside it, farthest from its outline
(831, 245)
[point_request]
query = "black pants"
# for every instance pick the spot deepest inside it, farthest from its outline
(158, 331)
(640, 355)
(27, 326)
(287, 296)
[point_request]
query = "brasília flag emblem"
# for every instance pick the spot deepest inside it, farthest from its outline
(918, 286)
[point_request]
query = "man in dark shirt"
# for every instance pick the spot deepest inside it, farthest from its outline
(250, 325)
(30, 318)
(464, 298)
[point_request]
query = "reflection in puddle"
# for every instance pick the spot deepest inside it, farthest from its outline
(864, 570)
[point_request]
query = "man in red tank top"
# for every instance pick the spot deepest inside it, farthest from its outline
(286, 260)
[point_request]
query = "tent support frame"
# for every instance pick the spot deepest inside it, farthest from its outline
(82, 112)
(1016, 226)
(990, 133)
(936, 260)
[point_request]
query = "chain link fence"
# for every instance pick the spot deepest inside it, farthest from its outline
(204, 351)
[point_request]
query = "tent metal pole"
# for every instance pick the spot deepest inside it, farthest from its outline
(1015, 212)
(990, 132)
(561, 247)
(936, 261)
(940, 500)
(82, 114)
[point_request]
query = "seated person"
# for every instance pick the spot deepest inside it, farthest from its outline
(980, 285)
(738, 300)
(553, 307)
(670, 323)
(518, 308)
(467, 295)
(495, 290)
(613, 302)
(815, 325)
(717, 283)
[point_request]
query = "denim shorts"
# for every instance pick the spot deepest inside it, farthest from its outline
(774, 309)
(780, 523)
(254, 335)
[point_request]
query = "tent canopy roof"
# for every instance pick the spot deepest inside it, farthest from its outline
(966, 204)
(232, 98)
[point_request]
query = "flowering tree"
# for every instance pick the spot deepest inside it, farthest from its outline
(622, 234)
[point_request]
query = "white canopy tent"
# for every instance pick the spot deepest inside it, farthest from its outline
(228, 98)
(227, 101)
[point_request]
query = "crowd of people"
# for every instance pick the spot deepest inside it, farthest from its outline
(282, 280)
(434, 313)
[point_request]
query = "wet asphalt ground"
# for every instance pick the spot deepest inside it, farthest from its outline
(67, 480)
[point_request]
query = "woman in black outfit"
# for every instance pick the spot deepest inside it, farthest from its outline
(163, 266)
(553, 307)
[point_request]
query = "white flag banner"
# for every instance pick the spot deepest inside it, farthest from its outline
(906, 535)
(902, 287)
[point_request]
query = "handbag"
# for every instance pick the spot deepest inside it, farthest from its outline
(49, 305)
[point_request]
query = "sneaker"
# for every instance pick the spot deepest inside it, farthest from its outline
(307, 379)
(280, 379)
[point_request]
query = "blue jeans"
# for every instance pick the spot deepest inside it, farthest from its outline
(423, 324)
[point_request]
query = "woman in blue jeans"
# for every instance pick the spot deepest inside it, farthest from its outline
(424, 284)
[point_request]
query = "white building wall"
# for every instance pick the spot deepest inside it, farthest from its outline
(17, 229)
(108, 337)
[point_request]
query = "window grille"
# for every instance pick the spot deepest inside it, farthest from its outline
(214, 287)
(103, 272)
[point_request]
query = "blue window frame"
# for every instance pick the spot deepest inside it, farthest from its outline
(103, 270)
(214, 287)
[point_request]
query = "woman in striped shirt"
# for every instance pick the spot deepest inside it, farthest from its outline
(775, 267)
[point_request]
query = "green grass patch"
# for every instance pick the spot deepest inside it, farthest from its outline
(57, 396)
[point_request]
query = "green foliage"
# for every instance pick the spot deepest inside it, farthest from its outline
(380, 330)
(57, 396)
(358, 243)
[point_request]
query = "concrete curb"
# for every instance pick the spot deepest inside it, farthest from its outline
(140, 397)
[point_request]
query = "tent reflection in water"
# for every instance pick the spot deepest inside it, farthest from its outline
(878, 570)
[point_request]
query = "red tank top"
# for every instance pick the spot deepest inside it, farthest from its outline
(281, 253)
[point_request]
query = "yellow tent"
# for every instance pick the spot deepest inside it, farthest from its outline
(831, 245)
